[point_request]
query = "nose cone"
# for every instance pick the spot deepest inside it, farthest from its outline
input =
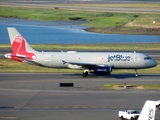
(154, 63)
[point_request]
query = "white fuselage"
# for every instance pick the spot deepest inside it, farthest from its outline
(117, 60)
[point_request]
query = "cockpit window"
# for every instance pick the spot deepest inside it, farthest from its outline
(147, 58)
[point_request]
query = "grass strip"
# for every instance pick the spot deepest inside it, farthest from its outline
(143, 86)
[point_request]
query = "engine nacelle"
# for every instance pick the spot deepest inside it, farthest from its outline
(71, 66)
(102, 70)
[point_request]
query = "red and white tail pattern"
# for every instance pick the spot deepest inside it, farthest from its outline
(20, 48)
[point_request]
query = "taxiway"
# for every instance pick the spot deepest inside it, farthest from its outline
(37, 96)
(53, 4)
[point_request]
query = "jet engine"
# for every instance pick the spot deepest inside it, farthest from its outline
(71, 66)
(101, 70)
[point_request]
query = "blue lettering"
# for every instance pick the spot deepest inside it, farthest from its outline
(118, 58)
(150, 115)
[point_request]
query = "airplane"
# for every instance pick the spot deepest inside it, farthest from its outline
(148, 111)
(100, 63)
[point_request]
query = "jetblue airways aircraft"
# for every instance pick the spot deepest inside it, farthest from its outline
(89, 62)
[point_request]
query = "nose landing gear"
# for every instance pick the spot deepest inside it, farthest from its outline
(136, 74)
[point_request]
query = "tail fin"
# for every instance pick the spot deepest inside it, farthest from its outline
(20, 47)
(18, 42)
(148, 111)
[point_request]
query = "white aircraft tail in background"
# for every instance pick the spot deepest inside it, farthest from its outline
(148, 111)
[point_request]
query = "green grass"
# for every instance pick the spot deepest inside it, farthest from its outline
(96, 19)
(108, 86)
(116, 47)
(154, 86)
(110, 20)
(147, 20)
(143, 86)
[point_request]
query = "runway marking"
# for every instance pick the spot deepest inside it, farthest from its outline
(74, 107)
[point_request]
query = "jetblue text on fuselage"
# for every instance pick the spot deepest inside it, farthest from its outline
(118, 57)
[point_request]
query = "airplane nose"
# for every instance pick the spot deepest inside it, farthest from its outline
(154, 63)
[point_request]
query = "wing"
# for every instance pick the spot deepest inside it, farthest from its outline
(85, 64)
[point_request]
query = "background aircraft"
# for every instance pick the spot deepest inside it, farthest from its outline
(89, 62)
(148, 111)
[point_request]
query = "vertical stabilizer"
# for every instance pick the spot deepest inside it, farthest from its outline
(148, 111)
(20, 47)
(19, 44)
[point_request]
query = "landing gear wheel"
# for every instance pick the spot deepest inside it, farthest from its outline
(84, 74)
(122, 118)
(136, 73)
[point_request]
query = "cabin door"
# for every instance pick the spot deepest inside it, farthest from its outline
(136, 58)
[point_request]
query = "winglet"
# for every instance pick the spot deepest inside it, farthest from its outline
(148, 111)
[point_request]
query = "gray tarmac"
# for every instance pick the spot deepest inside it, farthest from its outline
(38, 96)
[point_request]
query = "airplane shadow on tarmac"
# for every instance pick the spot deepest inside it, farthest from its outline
(116, 76)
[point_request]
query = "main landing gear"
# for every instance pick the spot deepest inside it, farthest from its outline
(136, 73)
(85, 73)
